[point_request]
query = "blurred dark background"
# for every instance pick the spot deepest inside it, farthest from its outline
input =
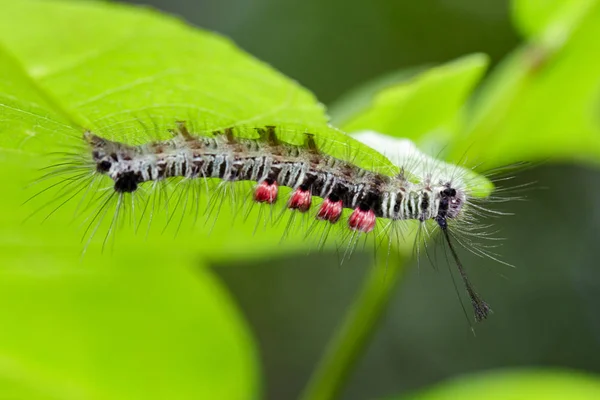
(546, 310)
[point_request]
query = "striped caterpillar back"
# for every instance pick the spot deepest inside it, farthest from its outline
(271, 163)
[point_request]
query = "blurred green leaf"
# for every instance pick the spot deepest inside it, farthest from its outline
(425, 109)
(139, 326)
(543, 100)
(132, 63)
(516, 385)
(359, 98)
(549, 20)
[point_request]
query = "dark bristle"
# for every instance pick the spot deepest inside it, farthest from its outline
(310, 143)
(229, 135)
(235, 173)
(409, 207)
(126, 183)
(348, 170)
(222, 169)
(399, 197)
(268, 135)
(183, 130)
(103, 166)
(271, 135)
(425, 201)
(333, 197)
(449, 192)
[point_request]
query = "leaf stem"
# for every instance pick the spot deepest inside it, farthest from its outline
(352, 336)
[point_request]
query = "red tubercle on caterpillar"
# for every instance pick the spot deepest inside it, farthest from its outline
(362, 219)
(300, 199)
(266, 191)
(331, 209)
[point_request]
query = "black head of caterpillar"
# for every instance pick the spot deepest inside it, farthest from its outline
(272, 163)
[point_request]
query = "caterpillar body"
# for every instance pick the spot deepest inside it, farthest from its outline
(308, 172)
(272, 163)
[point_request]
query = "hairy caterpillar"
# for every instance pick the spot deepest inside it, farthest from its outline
(438, 193)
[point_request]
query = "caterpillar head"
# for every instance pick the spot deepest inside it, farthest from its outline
(454, 198)
(451, 201)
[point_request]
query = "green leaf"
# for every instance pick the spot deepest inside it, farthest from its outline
(517, 385)
(542, 101)
(140, 326)
(549, 20)
(425, 109)
(359, 98)
(133, 63)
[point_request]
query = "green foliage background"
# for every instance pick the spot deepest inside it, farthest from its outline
(149, 320)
